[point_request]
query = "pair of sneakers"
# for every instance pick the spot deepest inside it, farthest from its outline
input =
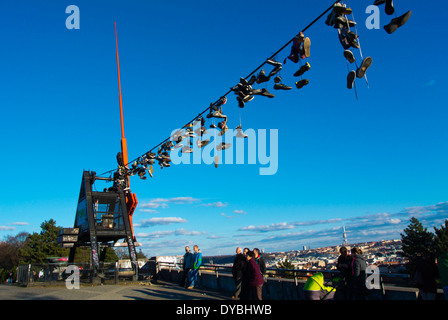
(215, 112)
(279, 85)
(361, 70)
(243, 90)
(390, 10)
(262, 77)
(277, 67)
(240, 133)
(348, 38)
(300, 48)
(337, 17)
(263, 92)
(223, 146)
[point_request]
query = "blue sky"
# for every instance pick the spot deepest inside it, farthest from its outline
(369, 164)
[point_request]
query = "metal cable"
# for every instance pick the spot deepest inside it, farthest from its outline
(248, 76)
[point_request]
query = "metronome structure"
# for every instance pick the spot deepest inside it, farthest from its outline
(104, 218)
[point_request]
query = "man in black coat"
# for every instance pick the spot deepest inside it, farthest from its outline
(238, 269)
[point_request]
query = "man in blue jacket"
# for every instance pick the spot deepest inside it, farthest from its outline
(197, 261)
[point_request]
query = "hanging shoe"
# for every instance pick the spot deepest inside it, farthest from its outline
(186, 149)
(240, 102)
(266, 93)
(275, 71)
(179, 145)
(306, 47)
(262, 92)
(222, 125)
(189, 133)
(216, 114)
(352, 39)
(331, 18)
(277, 66)
(281, 86)
(294, 55)
(252, 80)
(390, 7)
(212, 126)
(302, 69)
(343, 39)
(247, 98)
(300, 84)
(397, 22)
(351, 79)
(262, 77)
(240, 133)
(199, 119)
(201, 131)
(349, 56)
(223, 146)
(274, 63)
(343, 21)
(278, 79)
(221, 101)
(150, 155)
(341, 9)
(216, 161)
(366, 63)
(141, 173)
(202, 143)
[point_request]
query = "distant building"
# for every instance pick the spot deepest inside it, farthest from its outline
(344, 237)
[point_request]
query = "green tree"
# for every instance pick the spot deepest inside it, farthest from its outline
(285, 265)
(9, 250)
(441, 239)
(416, 242)
(123, 254)
(39, 246)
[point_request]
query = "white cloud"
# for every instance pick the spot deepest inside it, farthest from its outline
(218, 204)
(149, 210)
(178, 200)
(5, 228)
(240, 212)
(163, 203)
(395, 221)
(20, 223)
(153, 205)
(161, 234)
(159, 221)
(268, 228)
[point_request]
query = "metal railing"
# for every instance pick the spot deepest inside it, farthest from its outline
(55, 273)
(294, 274)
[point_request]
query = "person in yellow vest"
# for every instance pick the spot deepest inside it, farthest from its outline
(315, 289)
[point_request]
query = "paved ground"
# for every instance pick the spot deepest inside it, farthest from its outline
(134, 291)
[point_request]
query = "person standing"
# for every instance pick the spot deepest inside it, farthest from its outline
(359, 265)
(344, 267)
(186, 267)
(238, 269)
(197, 261)
(442, 265)
(253, 278)
(427, 271)
(260, 261)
